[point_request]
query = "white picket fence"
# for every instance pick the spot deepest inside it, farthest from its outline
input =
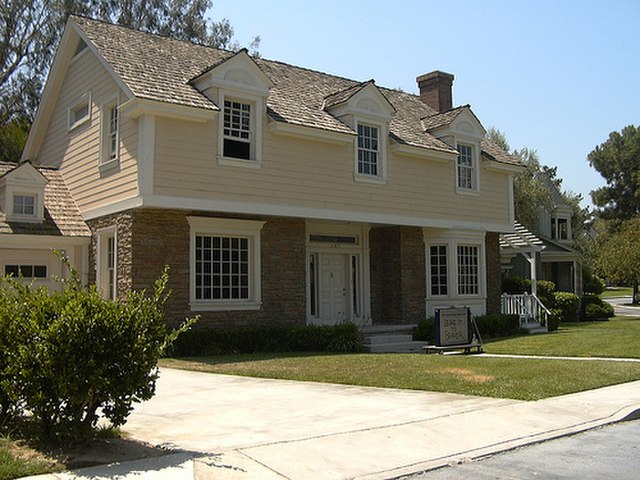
(527, 306)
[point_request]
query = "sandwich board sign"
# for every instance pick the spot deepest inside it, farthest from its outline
(454, 327)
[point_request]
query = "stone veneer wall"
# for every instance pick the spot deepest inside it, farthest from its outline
(398, 277)
(123, 223)
(494, 273)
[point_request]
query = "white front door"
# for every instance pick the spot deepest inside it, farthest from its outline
(333, 291)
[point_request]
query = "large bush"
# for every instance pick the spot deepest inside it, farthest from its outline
(70, 356)
(425, 330)
(546, 293)
(568, 304)
(514, 285)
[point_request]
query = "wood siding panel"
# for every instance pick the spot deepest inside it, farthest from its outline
(296, 172)
(77, 151)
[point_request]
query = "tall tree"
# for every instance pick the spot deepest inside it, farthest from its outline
(30, 29)
(617, 255)
(618, 161)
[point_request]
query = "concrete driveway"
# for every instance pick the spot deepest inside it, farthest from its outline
(272, 429)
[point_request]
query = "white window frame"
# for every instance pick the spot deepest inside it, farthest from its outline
(464, 272)
(383, 132)
(471, 169)
(257, 106)
(36, 193)
(108, 286)
(81, 102)
(24, 196)
(33, 266)
(555, 228)
(431, 275)
(109, 156)
(224, 227)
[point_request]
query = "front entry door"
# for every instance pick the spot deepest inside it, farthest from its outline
(333, 289)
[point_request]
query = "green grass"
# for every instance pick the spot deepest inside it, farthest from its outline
(613, 292)
(619, 338)
(522, 379)
(17, 461)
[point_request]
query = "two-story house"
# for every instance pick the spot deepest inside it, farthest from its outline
(556, 258)
(274, 193)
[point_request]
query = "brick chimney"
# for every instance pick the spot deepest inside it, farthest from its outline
(435, 90)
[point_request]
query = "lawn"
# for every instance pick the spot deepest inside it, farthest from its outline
(619, 337)
(613, 292)
(522, 379)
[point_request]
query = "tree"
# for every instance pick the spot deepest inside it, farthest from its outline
(30, 29)
(530, 187)
(617, 255)
(618, 161)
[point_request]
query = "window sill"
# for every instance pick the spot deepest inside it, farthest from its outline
(223, 306)
(467, 191)
(112, 166)
(238, 162)
(23, 219)
(375, 180)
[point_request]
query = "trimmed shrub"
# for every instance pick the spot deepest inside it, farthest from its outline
(514, 285)
(425, 331)
(592, 283)
(553, 321)
(492, 326)
(568, 304)
(76, 356)
(546, 291)
(207, 341)
(594, 308)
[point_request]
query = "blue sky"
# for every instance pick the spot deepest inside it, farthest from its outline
(556, 76)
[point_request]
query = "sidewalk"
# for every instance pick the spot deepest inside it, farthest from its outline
(243, 428)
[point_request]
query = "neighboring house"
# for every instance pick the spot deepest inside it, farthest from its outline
(273, 192)
(37, 216)
(557, 260)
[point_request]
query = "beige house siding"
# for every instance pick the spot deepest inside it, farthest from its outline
(77, 151)
(304, 173)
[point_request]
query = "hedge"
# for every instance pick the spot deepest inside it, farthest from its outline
(206, 341)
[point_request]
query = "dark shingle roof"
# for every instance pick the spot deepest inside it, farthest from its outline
(160, 69)
(494, 152)
(61, 215)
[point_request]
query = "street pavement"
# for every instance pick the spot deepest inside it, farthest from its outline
(610, 452)
(622, 306)
(224, 427)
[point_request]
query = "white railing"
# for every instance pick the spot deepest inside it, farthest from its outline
(528, 307)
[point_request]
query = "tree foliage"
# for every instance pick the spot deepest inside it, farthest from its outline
(618, 161)
(531, 190)
(617, 255)
(30, 30)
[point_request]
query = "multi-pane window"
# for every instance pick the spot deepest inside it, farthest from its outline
(560, 228)
(438, 263)
(237, 130)
(24, 205)
(79, 112)
(26, 271)
(111, 267)
(112, 136)
(368, 151)
(222, 268)
(468, 270)
(465, 167)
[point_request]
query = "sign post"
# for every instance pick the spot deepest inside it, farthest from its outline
(455, 329)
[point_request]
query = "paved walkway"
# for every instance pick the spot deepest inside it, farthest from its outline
(243, 428)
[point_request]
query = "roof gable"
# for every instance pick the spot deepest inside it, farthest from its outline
(364, 99)
(25, 174)
(460, 120)
(238, 72)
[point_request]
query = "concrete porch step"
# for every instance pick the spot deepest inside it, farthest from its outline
(390, 339)
(534, 327)
(384, 339)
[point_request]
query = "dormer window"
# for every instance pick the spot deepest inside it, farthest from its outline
(466, 167)
(368, 150)
(24, 205)
(560, 228)
(237, 130)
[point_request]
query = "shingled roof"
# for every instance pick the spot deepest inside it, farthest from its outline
(61, 215)
(160, 69)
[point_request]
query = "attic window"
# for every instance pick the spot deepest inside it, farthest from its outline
(80, 111)
(24, 205)
(237, 129)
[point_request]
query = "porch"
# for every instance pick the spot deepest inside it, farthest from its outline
(531, 311)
